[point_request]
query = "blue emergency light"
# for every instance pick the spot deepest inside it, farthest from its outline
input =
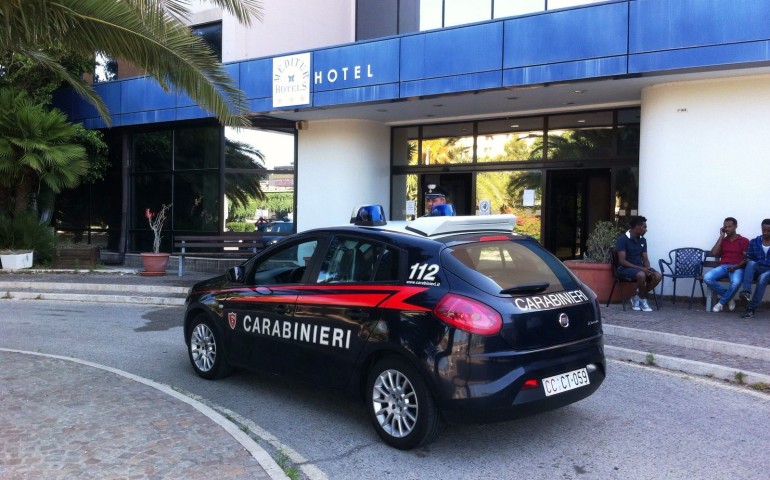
(444, 210)
(369, 216)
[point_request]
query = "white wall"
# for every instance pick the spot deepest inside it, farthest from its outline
(288, 26)
(703, 157)
(341, 164)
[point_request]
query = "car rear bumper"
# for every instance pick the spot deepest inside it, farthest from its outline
(493, 390)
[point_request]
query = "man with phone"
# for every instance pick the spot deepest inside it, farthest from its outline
(730, 247)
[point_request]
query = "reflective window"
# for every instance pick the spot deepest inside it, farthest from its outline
(376, 18)
(431, 14)
(404, 198)
(554, 4)
(513, 191)
(196, 202)
(447, 144)
(510, 8)
(580, 135)
(352, 260)
(626, 194)
(458, 12)
(510, 140)
(196, 148)
(150, 191)
(286, 265)
(405, 145)
(211, 34)
(628, 132)
(152, 151)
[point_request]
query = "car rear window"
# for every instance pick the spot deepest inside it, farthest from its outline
(495, 266)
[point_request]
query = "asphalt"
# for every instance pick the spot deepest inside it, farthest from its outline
(65, 418)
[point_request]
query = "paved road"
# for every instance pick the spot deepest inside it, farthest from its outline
(642, 423)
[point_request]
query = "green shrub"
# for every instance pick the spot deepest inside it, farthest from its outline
(240, 226)
(601, 241)
(25, 233)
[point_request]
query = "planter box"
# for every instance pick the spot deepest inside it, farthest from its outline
(76, 257)
(599, 278)
(16, 261)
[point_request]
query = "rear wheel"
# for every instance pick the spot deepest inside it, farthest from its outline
(206, 351)
(400, 405)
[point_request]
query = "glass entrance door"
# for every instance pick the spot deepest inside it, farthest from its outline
(575, 201)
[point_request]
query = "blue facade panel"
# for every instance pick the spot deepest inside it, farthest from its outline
(356, 66)
(561, 72)
(255, 77)
(356, 95)
(658, 25)
(459, 51)
(457, 83)
(144, 93)
(713, 56)
(586, 33)
(151, 116)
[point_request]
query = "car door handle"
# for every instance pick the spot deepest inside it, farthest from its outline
(358, 314)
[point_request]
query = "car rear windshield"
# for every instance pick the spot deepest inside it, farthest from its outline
(503, 267)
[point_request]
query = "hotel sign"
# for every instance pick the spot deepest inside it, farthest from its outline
(291, 80)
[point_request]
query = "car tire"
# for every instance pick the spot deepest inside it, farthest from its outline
(206, 350)
(402, 409)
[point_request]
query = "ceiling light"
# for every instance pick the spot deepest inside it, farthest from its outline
(578, 91)
(581, 121)
(514, 126)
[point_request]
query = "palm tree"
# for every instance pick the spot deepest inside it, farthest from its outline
(150, 34)
(38, 150)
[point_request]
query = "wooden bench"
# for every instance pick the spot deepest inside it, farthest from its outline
(216, 246)
(711, 262)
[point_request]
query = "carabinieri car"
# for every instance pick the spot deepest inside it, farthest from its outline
(440, 319)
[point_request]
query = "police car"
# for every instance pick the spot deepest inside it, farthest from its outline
(442, 319)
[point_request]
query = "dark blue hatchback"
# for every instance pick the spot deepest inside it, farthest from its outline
(441, 319)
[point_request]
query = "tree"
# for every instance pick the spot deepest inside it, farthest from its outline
(38, 151)
(151, 34)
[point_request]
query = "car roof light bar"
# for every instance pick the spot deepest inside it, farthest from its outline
(430, 226)
(368, 216)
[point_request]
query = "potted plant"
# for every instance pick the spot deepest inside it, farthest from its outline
(595, 269)
(155, 263)
(22, 239)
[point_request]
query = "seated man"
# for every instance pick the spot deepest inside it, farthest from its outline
(730, 248)
(633, 263)
(758, 256)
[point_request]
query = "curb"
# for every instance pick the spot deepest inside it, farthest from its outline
(96, 287)
(93, 298)
(688, 366)
(268, 464)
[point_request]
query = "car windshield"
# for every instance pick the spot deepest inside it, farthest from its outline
(508, 267)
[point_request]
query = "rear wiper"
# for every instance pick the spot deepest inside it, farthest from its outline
(528, 288)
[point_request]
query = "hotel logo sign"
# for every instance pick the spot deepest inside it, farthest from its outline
(291, 80)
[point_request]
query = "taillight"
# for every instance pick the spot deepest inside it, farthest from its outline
(494, 238)
(530, 384)
(469, 315)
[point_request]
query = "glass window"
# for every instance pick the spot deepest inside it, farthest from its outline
(628, 132)
(554, 4)
(626, 194)
(514, 191)
(405, 145)
(152, 151)
(196, 148)
(580, 135)
(404, 196)
(150, 191)
(459, 12)
(196, 205)
(376, 18)
(447, 144)
(352, 260)
(212, 36)
(510, 8)
(515, 139)
(431, 14)
(286, 265)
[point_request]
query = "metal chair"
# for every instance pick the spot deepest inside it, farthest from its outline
(683, 263)
(619, 279)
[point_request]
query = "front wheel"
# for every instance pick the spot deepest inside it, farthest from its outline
(206, 351)
(401, 408)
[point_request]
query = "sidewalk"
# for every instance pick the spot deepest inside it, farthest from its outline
(89, 429)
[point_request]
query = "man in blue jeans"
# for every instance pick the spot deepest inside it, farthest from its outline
(758, 256)
(730, 248)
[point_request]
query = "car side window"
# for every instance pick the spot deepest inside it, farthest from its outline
(354, 260)
(286, 265)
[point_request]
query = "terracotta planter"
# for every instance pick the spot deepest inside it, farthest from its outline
(599, 278)
(154, 264)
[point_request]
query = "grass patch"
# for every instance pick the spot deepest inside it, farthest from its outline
(284, 462)
(739, 377)
(760, 386)
(650, 358)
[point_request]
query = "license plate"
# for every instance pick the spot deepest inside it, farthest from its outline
(565, 381)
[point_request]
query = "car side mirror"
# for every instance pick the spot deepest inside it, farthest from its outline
(236, 274)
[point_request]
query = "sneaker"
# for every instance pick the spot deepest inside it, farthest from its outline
(635, 304)
(717, 308)
(645, 306)
(745, 295)
(731, 305)
(749, 313)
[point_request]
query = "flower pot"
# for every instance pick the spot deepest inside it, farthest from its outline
(154, 264)
(599, 278)
(16, 260)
